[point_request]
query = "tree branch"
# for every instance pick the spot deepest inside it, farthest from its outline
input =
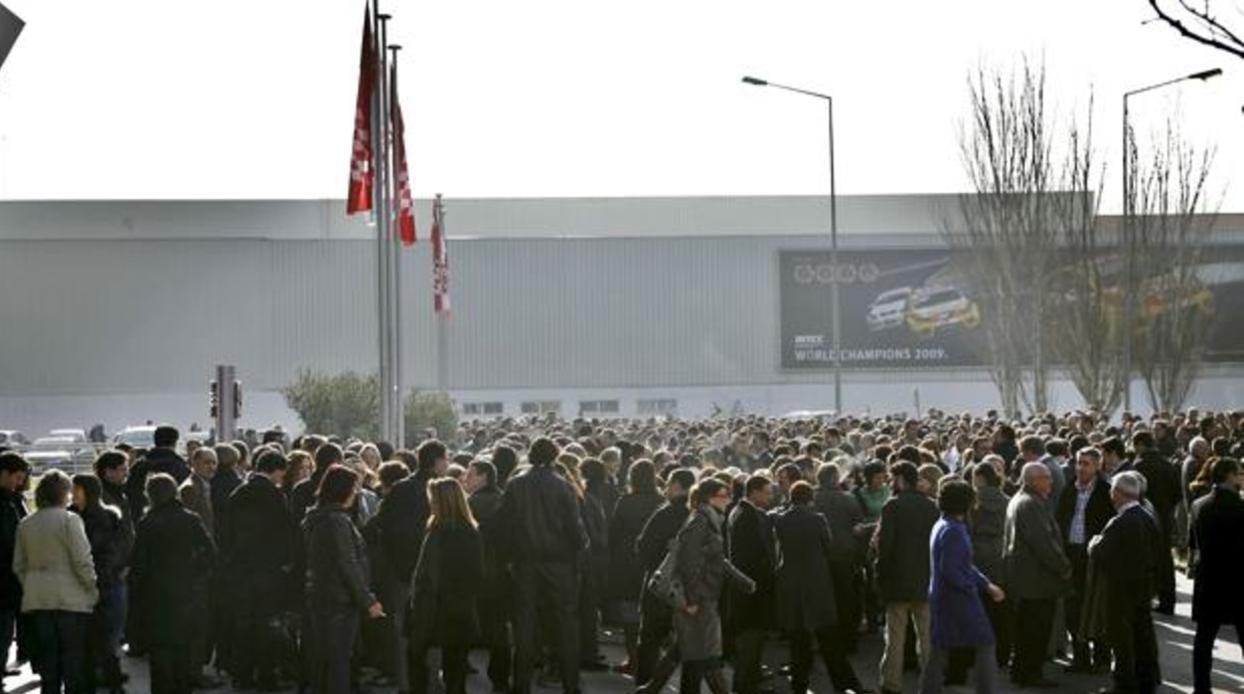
(1237, 51)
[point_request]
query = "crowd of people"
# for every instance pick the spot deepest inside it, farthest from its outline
(972, 545)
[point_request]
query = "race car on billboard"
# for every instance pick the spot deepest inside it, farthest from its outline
(939, 308)
(889, 309)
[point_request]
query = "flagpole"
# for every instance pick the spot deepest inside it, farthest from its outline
(378, 218)
(395, 269)
(384, 218)
(442, 325)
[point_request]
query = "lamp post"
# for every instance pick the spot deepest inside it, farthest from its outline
(1129, 212)
(833, 230)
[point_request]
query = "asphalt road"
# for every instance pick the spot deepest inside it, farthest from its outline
(1174, 641)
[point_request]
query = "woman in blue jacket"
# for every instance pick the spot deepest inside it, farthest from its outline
(956, 612)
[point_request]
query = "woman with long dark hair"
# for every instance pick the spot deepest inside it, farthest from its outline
(338, 584)
(445, 588)
(626, 576)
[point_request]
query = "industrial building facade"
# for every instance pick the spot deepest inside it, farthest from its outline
(116, 312)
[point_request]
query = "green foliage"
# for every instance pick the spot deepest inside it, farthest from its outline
(428, 409)
(347, 404)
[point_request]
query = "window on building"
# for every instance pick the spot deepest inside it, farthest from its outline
(657, 406)
(486, 409)
(541, 407)
(598, 407)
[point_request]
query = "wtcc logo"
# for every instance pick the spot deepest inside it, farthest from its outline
(826, 273)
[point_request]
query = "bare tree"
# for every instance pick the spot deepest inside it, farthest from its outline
(1203, 21)
(1085, 338)
(1004, 233)
(1170, 310)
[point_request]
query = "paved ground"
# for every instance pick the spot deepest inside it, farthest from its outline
(1174, 640)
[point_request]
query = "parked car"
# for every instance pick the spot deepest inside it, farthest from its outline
(75, 435)
(889, 309)
(16, 440)
(138, 437)
(937, 309)
(67, 453)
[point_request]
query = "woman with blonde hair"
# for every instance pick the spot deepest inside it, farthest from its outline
(444, 589)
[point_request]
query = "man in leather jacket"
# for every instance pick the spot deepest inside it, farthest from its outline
(545, 537)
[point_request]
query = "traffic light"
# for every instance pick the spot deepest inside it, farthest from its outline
(214, 398)
(237, 398)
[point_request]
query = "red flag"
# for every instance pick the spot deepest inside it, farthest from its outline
(405, 205)
(362, 157)
(440, 260)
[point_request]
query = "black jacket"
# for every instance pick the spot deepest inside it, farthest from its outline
(1097, 513)
(447, 581)
(157, 460)
(337, 571)
(540, 516)
(302, 497)
(752, 551)
(401, 520)
(1128, 555)
(1163, 490)
(111, 544)
(653, 542)
(805, 585)
(1217, 536)
(173, 558)
(10, 586)
(903, 549)
(223, 485)
(485, 503)
(116, 496)
(844, 514)
(261, 541)
(626, 572)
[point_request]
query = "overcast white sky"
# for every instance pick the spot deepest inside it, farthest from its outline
(255, 98)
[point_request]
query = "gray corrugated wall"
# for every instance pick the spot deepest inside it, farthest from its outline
(84, 317)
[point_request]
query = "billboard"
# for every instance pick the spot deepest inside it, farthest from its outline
(911, 308)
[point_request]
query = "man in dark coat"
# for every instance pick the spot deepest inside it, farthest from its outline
(402, 520)
(12, 469)
(162, 458)
(1217, 544)
(846, 555)
(260, 544)
(173, 558)
(806, 607)
(494, 612)
(903, 571)
(751, 550)
(656, 619)
(1083, 512)
(226, 481)
(1127, 554)
(1163, 491)
(1037, 572)
(546, 541)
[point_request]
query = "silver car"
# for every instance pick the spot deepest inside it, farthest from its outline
(889, 309)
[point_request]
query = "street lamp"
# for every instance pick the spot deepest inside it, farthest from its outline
(1128, 213)
(833, 229)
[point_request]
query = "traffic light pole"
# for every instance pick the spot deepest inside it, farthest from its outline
(226, 402)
